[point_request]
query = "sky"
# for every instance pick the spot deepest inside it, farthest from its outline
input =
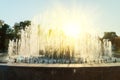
(105, 13)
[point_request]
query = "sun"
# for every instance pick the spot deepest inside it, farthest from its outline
(71, 29)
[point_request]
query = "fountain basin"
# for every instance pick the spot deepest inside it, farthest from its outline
(104, 71)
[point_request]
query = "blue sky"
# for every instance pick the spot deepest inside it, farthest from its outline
(108, 11)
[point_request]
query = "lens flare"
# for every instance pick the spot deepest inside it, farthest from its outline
(71, 29)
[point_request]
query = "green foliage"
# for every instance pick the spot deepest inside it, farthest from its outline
(7, 32)
(3, 35)
(19, 26)
(109, 35)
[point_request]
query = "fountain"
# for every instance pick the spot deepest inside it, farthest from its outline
(54, 46)
(59, 43)
(59, 38)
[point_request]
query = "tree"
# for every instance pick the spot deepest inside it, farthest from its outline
(7, 32)
(109, 35)
(3, 36)
(10, 33)
(26, 23)
(112, 36)
(19, 26)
